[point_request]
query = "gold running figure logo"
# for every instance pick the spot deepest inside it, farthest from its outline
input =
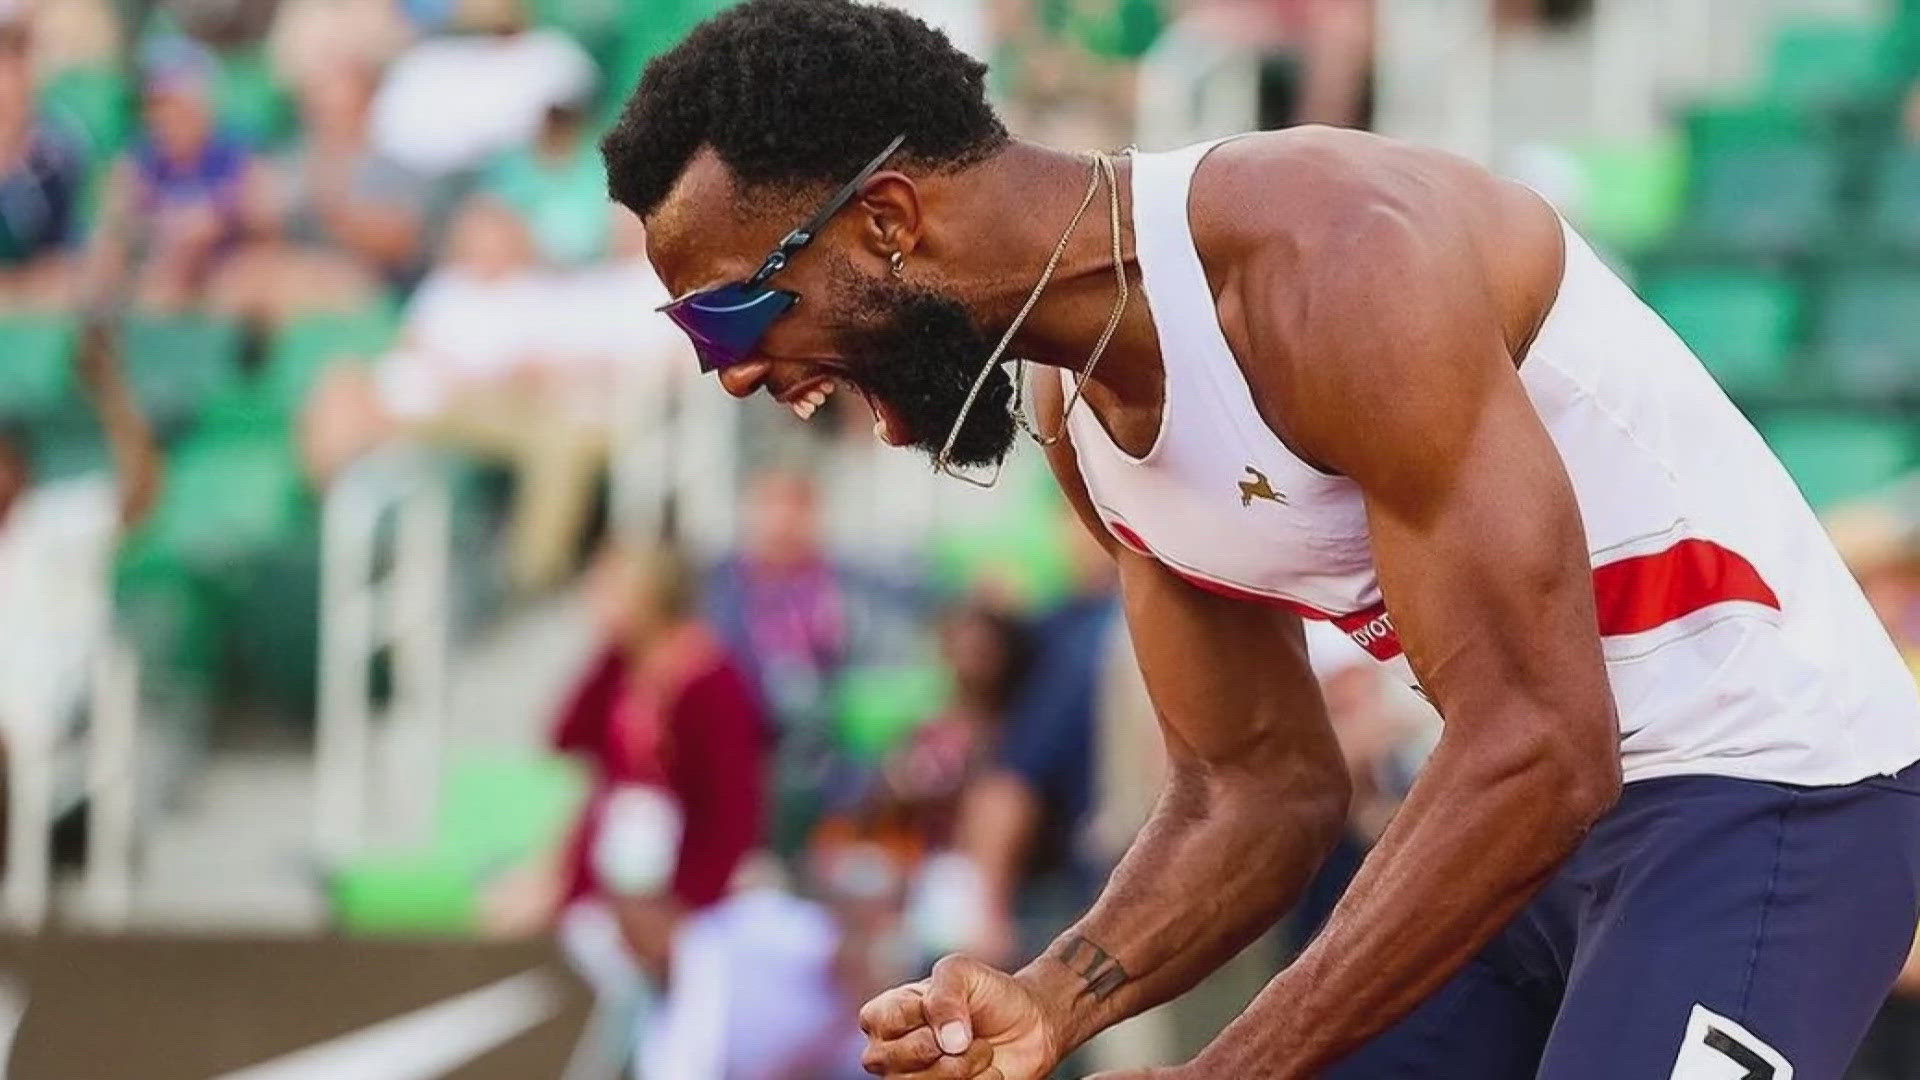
(1258, 488)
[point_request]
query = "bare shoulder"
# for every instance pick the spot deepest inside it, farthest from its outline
(1316, 184)
(1343, 262)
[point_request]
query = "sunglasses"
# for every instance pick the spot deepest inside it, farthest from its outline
(726, 322)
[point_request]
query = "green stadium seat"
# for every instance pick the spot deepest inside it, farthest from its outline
(1836, 456)
(648, 30)
(1771, 198)
(177, 364)
(1742, 323)
(1867, 338)
(877, 706)
(1714, 126)
(67, 441)
(1633, 192)
(228, 496)
(36, 375)
(1903, 39)
(598, 25)
(270, 615)
(250, 102)
(410, 896)
(497, 811)
(498, 807)
(96, 103)
(304, 348)
(171, 615)
(1820, 62)
(1891, 221)
(1112, 29)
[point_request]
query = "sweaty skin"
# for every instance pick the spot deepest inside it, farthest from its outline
(1380, 300)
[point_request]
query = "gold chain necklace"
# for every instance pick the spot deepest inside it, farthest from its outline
(1102, 168)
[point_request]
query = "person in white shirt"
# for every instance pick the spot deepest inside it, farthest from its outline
(505, 358)
(448, 104)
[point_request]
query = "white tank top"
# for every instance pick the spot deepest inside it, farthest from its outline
(1736, 641)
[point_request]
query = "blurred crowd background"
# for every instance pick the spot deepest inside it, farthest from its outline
(374, 565)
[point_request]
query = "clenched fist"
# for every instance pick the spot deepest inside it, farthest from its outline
(967, 1022)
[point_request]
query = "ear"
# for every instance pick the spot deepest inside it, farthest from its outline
(890, 215)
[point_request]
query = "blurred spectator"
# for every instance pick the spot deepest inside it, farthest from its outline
(487, 363)
(779, 600)
(71, 33)
(909, 810)
(1880, 542)
(666, 707)
(1513, 14)
(1022, 824)
(450, 104)
(754, 991)
(1069, 65)
(223, 23)
(677, 744)
(335, 191)
(195, 221)
(559, 186)
(607, 312)
(674, 740)
(42, 182)
(987, 654)
(781, 603)
(175, 208)
(312, 36)
(1319, 56)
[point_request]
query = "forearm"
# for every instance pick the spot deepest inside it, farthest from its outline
(1215, 865)
(1480, 832)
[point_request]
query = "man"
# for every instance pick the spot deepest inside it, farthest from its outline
(1338, 378)
(43, 173)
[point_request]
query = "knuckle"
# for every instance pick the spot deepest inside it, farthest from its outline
(910, 1054)
(950, 965)
(892, 1013)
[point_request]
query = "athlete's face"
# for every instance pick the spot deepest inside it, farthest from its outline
(909, 346)
(916, 353)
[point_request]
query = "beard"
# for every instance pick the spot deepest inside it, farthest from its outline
(918, 352)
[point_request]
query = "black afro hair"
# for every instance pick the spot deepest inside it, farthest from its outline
(800, 94)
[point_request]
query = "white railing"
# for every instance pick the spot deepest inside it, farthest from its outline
(373, 764)
(68, 700)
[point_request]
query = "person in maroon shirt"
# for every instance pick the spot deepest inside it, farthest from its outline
(663, 708)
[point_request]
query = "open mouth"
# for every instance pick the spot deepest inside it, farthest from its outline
(808, 396)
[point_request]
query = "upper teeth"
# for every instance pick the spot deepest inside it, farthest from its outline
(805, 404)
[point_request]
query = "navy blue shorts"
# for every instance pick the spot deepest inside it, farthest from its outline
(1707, 929)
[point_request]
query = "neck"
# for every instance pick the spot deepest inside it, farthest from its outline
(668, 643)
(1015, 207)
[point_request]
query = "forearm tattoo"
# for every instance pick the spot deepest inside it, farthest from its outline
(1101, 971)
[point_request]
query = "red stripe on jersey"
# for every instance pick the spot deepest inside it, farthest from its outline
(1373, 631)
(1638, 594)
(1631, 596)
(1130, 538)
(1234, 592)
(1219, 588)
